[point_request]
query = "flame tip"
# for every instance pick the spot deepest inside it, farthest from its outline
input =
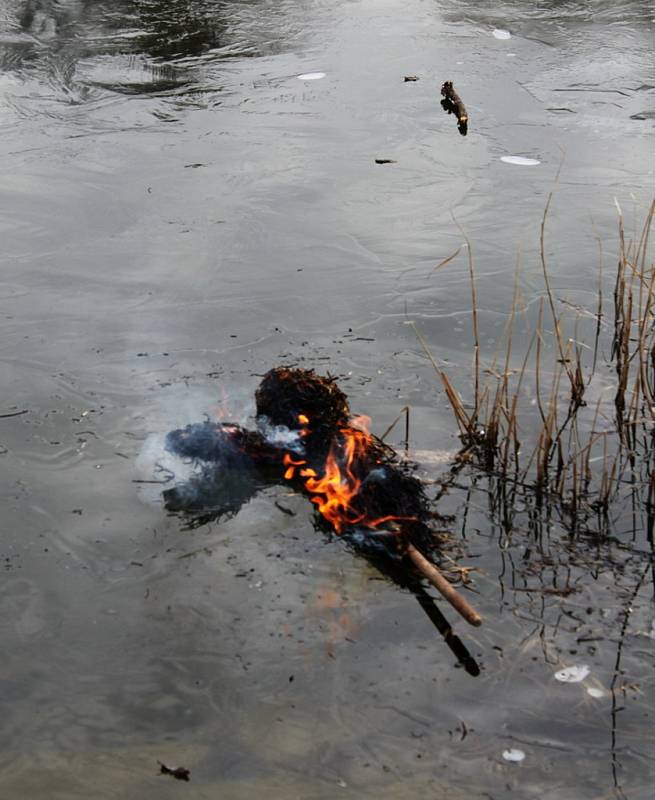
(335, 490)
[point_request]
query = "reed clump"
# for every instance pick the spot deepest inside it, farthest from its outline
(571, 421)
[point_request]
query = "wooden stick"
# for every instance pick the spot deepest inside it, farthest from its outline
(459, 109)
(443, 586)
(457, 647)
(453, 104)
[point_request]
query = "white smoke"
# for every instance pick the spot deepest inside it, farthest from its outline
(281, 436)
(156, 469)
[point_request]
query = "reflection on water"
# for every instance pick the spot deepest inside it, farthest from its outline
(136, 47)
(179, 214)
(165, 30)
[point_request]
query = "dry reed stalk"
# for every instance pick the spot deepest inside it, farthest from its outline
(599, 309)
(404, 410)
(544, 269)
(594, 437)
(513, 410)
(539, 332)
(474, 309)
(645, 309)
(551, 426)
(507, 413)
(612, 482)
(604, 484)
(561, 463)
(448, 259)
(464, 422)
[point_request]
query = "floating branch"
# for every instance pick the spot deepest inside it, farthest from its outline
(14, 414)
(452, 103)
(179, 773)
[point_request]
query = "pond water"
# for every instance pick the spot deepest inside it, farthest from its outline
(190, 196)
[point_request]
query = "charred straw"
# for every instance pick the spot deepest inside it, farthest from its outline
(361, 489)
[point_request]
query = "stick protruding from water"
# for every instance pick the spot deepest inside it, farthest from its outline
(443, 586)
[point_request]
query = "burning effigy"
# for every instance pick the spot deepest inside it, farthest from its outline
(306, 437)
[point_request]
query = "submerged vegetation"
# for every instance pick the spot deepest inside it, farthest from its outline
(569, 423)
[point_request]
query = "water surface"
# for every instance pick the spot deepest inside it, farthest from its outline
(180, 213)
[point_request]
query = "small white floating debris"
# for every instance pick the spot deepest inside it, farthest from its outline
(520, 161)
(311, 76)
(514, 755)
(573, 674)
(593, 691)
(501, 33)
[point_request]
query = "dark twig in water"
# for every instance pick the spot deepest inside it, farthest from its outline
(453, 104)
(179, 773)
(289, 512)
(14, 414)
(457, 647)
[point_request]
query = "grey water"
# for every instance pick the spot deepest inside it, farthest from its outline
(180, 211)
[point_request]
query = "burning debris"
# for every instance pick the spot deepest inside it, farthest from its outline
(307, 437)
(294, 397)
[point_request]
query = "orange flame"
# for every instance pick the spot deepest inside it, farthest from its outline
(334, 492)
(291, 465)
(338, 488)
